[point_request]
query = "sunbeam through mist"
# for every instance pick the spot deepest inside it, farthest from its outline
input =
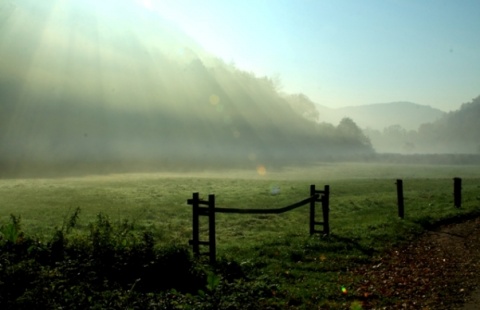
(99, 86)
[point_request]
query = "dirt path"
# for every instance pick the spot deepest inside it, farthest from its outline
(440, 270)
(473, 303)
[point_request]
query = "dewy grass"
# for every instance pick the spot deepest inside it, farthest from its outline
(271, 257)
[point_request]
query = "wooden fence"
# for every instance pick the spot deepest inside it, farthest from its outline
(207, 208)
(457, 195)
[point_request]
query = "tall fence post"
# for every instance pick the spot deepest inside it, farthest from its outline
(312, 209)
(211, 229)
(457, 192)
(195, 224)
(326, 210)
(401, 207)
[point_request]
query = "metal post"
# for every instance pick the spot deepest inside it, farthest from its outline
(457, 192)
(312, 209)
(211, 228)
(401, 207)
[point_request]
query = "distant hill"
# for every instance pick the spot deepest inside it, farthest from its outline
(456, 132)
(381, 115)
(83, 88)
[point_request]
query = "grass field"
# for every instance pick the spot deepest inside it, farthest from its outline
(275, 250)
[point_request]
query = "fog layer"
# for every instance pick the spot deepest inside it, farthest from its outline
(104, 85)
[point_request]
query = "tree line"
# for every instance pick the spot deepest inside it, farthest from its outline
(199, 116)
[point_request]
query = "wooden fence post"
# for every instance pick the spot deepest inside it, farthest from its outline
(326, 209)
(211, 229)
(195, 224)
(457, 192)
(401, 207)
(312, 209)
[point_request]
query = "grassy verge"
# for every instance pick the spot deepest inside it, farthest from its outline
(127, 246)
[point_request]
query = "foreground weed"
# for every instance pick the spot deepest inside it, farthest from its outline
(11, 232)
(356, 305)
(71, 222)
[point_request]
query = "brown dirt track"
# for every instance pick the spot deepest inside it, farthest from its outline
(439, 270)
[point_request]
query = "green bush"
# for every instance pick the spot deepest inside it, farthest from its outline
(112, 267)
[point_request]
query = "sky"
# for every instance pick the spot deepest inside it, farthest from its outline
(344, 52)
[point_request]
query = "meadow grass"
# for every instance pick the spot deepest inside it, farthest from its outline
(302, 270)
(158, 200)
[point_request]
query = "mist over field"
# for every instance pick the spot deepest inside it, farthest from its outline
(105, 86)
(85, 87)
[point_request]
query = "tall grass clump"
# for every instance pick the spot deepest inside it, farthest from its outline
(111, 267)
(11, 232)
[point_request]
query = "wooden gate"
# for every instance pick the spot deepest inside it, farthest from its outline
(207, 208)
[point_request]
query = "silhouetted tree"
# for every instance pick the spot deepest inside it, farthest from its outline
(349, 130)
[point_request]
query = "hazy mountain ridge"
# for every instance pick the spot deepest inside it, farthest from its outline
(404, 127)
(458, 131)
(455, 132)
(381, 115)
